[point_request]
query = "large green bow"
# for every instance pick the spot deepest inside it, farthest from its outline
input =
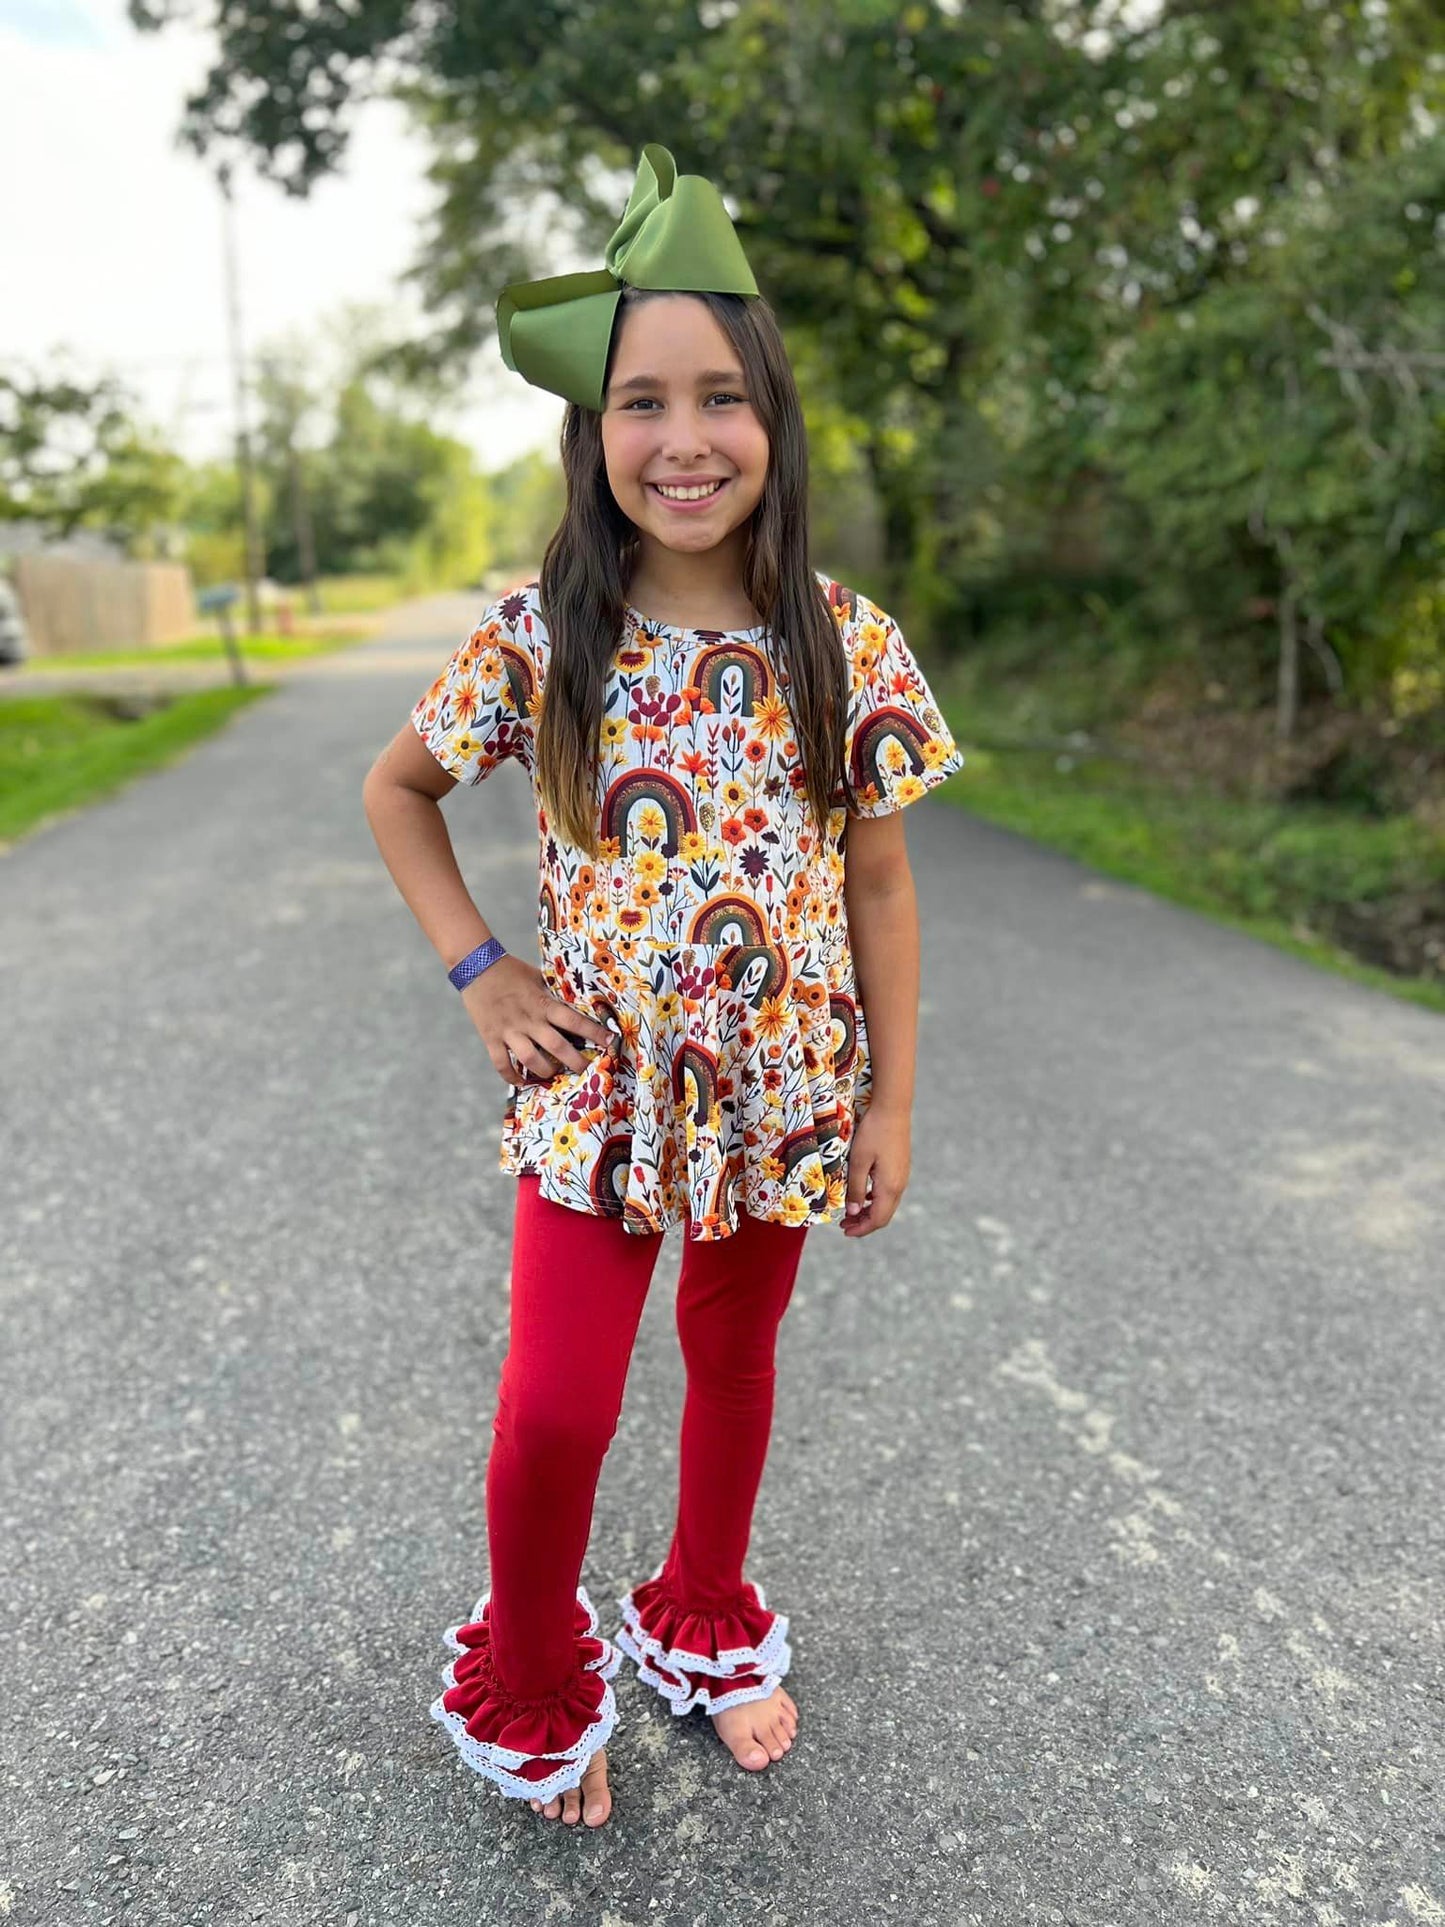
(676, 235)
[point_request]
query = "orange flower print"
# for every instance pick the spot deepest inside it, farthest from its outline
(733, 831)
(756, 751)
(756, 819)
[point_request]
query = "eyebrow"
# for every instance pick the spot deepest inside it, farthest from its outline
(708, 375)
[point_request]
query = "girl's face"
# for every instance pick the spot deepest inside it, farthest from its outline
(678, 413)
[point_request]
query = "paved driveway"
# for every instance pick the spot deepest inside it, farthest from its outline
(1105, 1491)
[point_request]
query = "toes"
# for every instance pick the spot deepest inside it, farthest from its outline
(571, 1805)
(595, 1794)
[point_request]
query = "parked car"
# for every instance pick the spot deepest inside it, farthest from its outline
(14, 644)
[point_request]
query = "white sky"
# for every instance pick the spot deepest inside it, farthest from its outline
(110, 234)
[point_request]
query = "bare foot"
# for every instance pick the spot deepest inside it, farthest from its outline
(594, 1795)
(759, 1730)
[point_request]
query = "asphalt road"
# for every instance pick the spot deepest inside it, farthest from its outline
(1105, 1494)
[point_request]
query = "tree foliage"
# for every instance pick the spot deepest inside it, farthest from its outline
(74, 455)
(1035, 255)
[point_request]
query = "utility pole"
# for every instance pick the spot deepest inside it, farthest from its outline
(255, 561)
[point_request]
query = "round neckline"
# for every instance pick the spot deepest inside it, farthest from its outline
(678, 629)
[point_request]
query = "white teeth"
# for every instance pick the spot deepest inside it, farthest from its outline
(687, 494)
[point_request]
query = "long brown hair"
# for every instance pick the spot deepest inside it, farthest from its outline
(589, 562)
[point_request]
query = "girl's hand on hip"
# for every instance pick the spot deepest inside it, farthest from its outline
(529, 1033)
(878, 1164)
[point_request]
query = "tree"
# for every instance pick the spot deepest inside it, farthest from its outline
(72, 455)
(970, 214)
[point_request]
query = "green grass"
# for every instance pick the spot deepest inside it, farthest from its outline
(267, 648)
(60, 752)
(1276, 871)
(356, 595)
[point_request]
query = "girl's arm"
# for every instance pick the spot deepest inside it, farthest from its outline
(882, 911)
(515, 1014)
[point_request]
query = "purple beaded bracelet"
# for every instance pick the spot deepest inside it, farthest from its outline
(475, 962)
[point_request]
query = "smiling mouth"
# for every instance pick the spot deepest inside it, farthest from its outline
(692, 493)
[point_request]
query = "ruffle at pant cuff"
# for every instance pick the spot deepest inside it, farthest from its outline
(533, 1749)
(714, 1659)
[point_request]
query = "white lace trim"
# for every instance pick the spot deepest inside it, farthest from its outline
(773, 1656)
(684, 1695)
(499, 1763)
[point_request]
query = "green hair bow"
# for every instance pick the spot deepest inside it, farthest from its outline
(676, 235)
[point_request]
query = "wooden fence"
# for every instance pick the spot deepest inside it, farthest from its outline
(74, 605)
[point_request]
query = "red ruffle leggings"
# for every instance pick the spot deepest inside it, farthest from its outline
(529, 1700)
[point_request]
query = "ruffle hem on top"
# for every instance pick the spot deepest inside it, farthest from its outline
(532, 1749)
(739, 1074)
(714, 1659)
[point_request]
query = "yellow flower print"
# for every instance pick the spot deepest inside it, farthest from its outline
(895, 755)
(609, 848)
(772, 1167)
(649, 821)
(646, 894)
(935, 751)
(795, 1209)
(466, 744)
(668, 1006)
(770, 718)
(772, 1019)
(693, 846)
(910, 789)
(564, 1140)
(614, 729)
(734, 795)
(650, 866)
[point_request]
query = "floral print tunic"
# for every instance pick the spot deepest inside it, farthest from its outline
(710, 930)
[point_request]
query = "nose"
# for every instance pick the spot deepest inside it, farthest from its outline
(686, 436)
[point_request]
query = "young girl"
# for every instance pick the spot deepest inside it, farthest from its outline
(703, 717)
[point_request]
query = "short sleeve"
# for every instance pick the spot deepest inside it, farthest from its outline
(897, 746)
(481, 708)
